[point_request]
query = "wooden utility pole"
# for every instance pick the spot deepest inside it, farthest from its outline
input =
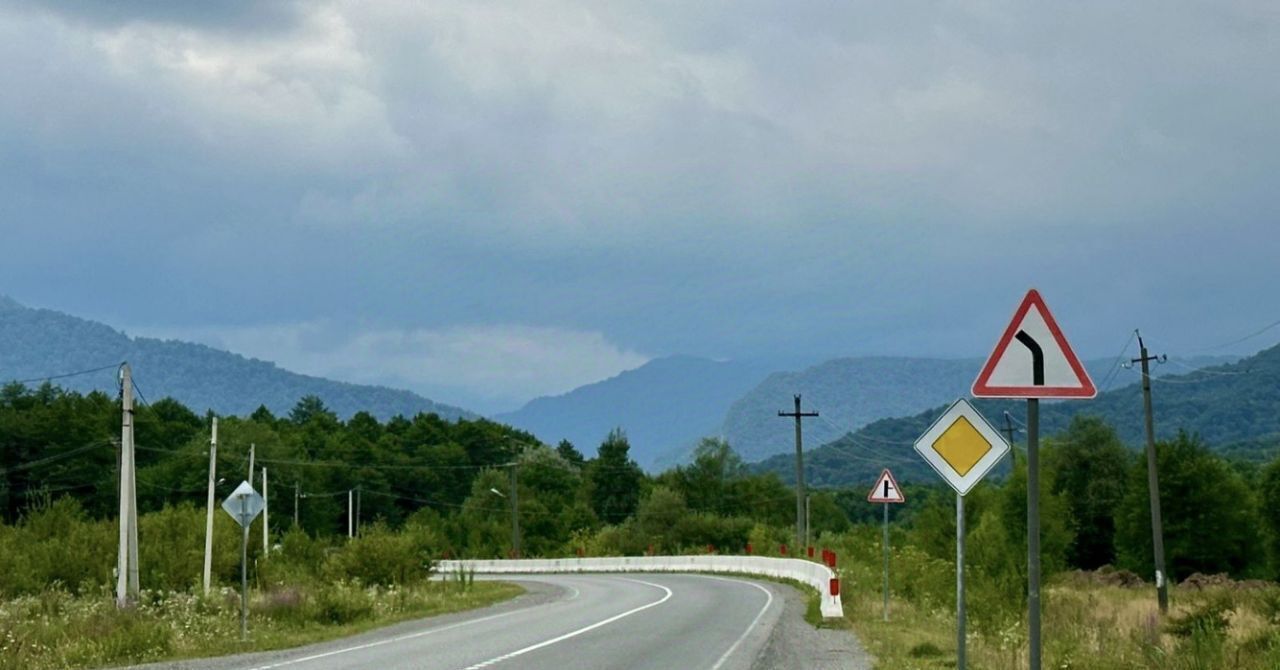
(515, 513)
(798, 416)
(1153, 480)
(127, 560)
(208, 524)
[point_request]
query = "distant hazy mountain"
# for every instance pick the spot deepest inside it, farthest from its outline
(849, 393)
(664, 406)
(37, 343)
(1234, 407)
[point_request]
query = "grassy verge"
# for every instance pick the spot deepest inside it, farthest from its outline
(55, 629)
(1085, 625)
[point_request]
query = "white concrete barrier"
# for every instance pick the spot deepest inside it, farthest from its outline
(814, 574)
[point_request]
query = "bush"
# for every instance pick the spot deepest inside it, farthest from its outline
(380, 556)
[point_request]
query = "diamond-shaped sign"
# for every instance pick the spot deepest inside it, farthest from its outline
(961, 446)
(244, 504)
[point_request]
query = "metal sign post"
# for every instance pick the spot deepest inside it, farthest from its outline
(886, 491)
(1043, 365)
(960, 613)
(244, 504)
(886, 561)
(244, 570)
(962, 447)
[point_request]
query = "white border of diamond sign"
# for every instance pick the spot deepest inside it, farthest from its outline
(962, 483)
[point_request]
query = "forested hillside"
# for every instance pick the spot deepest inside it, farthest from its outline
(1234, 408)
(665, 405)
(38, 343)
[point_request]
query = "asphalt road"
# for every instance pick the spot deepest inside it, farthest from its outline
(602, 622)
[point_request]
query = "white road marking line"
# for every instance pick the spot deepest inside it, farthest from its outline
(399, 638)
(751, 627)
(580, 631)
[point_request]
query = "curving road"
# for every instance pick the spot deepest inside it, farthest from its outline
(629, 622)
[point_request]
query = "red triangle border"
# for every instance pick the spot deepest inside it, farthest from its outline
(982, 387)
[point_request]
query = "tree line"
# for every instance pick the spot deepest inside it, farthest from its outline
(455, 477)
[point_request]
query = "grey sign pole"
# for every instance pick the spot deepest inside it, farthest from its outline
(960, 613)
(886, 561)
(1033, 533)
(244, 569)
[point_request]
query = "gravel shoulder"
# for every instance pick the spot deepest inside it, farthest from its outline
(796, 644)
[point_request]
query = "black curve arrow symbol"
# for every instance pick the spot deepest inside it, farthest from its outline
(1037, 357)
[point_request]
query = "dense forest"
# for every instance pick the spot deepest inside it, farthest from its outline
(456, 476)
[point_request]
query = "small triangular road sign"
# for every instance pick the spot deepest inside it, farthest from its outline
(1033, 360)
(886, 490)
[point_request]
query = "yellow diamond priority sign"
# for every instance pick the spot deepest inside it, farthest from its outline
(961, 446)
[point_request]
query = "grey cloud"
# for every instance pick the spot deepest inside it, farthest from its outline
(709, 178)
(252, 16)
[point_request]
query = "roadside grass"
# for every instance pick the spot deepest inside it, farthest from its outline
(1085, 626)
(55, 629)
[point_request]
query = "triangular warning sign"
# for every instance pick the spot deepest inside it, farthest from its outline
(1033, 360)
(886, 490)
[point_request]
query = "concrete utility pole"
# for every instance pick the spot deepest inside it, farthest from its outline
(265, 504)
(1153, 479)
(350, 518)
(127, 560)
(800, 525)
(515, 514)
(1008, 431)
(208, 524)
(251, 450)
(808, 517)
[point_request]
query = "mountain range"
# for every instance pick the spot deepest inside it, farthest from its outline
(1233, 407)
(39, 344)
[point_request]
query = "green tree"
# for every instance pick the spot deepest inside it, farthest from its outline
(1089, 465)
(1210, 517)
(615, 479)
(1270, 494)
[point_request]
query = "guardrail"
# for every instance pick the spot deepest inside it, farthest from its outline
(816, 575)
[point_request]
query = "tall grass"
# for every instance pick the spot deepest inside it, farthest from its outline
(1090, 622)
(57, 609)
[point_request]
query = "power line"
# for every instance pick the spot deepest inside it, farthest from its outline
(1118, 363)
(52, 459)
(65, 375)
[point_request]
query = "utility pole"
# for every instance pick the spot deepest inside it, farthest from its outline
(251, 450)
(807, 525)
(127, 560)
(1009, 430)
(265, 532)
(1153, 480)
(350, 521)
(515, 514)
(798, 415)
(208, 524)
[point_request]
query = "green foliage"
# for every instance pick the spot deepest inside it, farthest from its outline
(381, 556)
(1270, 512)
(1210, 516)
(615, 480)
(1089, 466)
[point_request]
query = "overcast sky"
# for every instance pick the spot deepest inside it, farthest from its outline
(490, 201)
